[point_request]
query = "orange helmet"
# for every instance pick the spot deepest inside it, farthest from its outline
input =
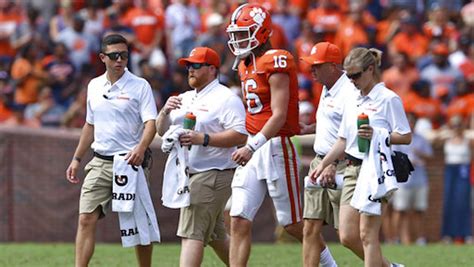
(250, 26)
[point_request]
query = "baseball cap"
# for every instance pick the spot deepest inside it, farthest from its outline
(201, 55)
(440, 49)
(324, 52)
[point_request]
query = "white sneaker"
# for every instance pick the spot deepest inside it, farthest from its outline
(396, 265)
(421, 241)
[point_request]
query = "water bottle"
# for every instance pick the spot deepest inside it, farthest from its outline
(189, 121)
(363, 143)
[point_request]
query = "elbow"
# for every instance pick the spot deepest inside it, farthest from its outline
(406, 139)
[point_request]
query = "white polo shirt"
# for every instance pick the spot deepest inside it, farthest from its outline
(329, 115)
(217, 109)
(118, 112)
(385, 110)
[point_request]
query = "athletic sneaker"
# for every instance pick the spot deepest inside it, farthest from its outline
(396, 265)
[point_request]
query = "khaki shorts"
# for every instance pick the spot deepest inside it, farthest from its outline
(97, 187)
(350, 181)
(321, 203)
(408, 198)
(204, 220)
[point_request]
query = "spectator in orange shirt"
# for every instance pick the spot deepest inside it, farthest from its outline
(438, 26)
(28, 75)
(9, 18)
(354, 29)
(409, 40)
(424, 106)
(462, 104)
(467, 66)
(326, 18)
(5, 110)
(303, 45)
(149, 31)
(401, 75)
(388, 26)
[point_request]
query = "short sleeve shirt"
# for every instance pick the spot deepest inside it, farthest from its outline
(216, 109)
(329, 115)
(385, 110)
(118, 112)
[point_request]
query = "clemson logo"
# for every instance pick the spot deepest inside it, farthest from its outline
(258, 15)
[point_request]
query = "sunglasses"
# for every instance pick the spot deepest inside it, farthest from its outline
(116, 55)
(356, 75)
(196, 66)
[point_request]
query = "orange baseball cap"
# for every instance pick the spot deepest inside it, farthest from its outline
(201, 55)
(441, 49)
(324, 52)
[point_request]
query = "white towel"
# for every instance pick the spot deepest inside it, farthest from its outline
(267, 169)
(308, 183)
(377, 177)
(170, 137)
(175, 192)
(138, 226)
(124, 185)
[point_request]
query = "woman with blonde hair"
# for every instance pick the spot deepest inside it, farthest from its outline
(358, 228)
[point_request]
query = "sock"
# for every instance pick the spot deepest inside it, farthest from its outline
(326, 259)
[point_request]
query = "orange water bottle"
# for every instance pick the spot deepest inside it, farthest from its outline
(363, 143)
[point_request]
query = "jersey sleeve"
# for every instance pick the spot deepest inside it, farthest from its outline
(276, 61)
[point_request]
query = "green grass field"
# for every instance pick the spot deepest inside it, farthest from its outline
(52, 255)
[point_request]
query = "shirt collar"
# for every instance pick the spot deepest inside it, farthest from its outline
(374, 93)
(336, 87)
(120, 83)
(207, 88)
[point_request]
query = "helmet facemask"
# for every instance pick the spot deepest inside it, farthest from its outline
(242, 40)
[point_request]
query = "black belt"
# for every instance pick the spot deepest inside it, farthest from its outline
(109, 158)
(145, 164)
(320, 156)
(351, 160)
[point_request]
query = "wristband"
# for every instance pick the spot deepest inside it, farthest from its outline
(256, 141)
(206, 140)
(78, 159)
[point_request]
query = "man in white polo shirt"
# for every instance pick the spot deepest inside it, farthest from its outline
(120, 119)
(219, 129)
(321, 204)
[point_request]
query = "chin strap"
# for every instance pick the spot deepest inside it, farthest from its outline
(254, 61)
(238, 59)
(236, 63)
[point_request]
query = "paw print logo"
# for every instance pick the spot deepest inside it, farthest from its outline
(258, 15)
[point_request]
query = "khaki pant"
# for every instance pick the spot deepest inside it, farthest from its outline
(203, 220)
(97, 187)
(323, 203)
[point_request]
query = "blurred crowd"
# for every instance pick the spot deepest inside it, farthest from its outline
(49, 49)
